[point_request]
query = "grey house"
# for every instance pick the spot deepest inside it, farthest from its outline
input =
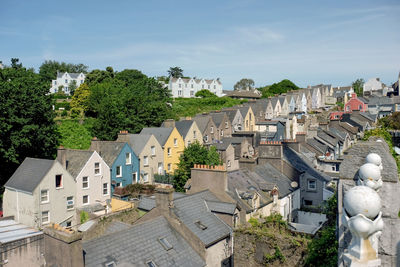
(40, 192)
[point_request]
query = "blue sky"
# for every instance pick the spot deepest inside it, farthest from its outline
(308, 42)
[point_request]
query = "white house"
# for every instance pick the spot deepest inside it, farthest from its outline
(188, 87)
(372, 84)
(64, 80)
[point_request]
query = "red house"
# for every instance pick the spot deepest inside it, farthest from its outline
(355, 103)
(336, 115)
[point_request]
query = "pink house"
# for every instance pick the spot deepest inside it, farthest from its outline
(336, 115)
(355, 103)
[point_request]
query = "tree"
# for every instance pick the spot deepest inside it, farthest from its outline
(72, 87)
(27, 127)
(204, 93)
(358, 86)
(80, 99)
(278, 88)
(244, 84)
(48, 69)
(98, 76)
(175, 72)
(195, 153)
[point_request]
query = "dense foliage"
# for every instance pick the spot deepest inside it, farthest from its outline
(244, 84)
(358, 86)
(48, 69)
(391, 122)
(27, 128)
(195, 153)
(323, 249)
(204, 93)
(278, 88)
(175, 72)
(74, 135)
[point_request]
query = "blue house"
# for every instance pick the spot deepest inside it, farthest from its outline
(123, 162)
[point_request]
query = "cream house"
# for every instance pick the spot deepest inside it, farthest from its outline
(40, 192)
(188, 129)
(150, 153)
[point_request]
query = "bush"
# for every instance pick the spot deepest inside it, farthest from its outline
(64, 113)
(254, 222)
(76, 112)
(84, 216)
(74, 135)
(268, 258)
(64, 105)
(204, 93)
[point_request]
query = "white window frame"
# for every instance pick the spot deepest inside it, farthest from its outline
(311, 188)
(169, 151)
(212, 129)
(145, 160)
(222, 132)
(128, 158)
(175, 142)
(160, 168)
(98, 168)
(48, 217)
(88, 199)
(229, 163)
(87, 182)
(206, 138)
(226, 125)
(145, 177)
(134, 177)
(70, 204)
(120, 171)
(194, 134)
(47, 196)
(153, 150)
(61, 182)
(105, 188)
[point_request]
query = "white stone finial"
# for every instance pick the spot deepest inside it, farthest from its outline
(369, 175)
(363, 217)
(374, 159)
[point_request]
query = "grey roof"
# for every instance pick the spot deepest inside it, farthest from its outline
(341, 134)
(29, 174)
(243, 111)
(149, 203)
(301, 163)
(192, 209)
(183, 127)
(161, 134)
(116, 226)
(76, 160)
(328, 137)
(317, 144)
(221, 146)
(108, 150)
(231, 113)
(72, 74)
(138, 141)
(217, 117)
(202, 121)
(140, 244)
(221, 207)
(274, 101)
(11, 230)
(282, 99)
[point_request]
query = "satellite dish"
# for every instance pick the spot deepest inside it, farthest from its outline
(294, 184)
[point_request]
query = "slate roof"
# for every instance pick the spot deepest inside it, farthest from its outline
(108, 150)
(72, 74)
(341, 134)
(217, 117)
(243, 111)
(116, 226)
(192, 209)
(317, 145)
(244, 94)
(138, 141)
(231, 113)
(221, 207)
(300, 162)
(328, 137)
(183, 127)
(29, 174)
(274, 101)
(76, 160)
(202, 121)
(137, 245)
(282, 99)
(160, 133)
(221, 146)
(11, 230)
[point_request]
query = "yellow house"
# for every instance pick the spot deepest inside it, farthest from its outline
(249, 120)
(172, 144)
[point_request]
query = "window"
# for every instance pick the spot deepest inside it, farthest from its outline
(68, 224)
(200, 225)
(66, 81)
(226, 125)
(212, 130)
(175, 142)
(146, 177)
(105, 189)
(169, 166)
(81, 81)
(119, 171)
(97, 168)
(128, 158)
(312, 184)
(169, 151)
(151, 264)
(134, 177)
(45, 217)
(214, 87)
(160, 168)
(206, 138)
(308, 202)
(44, 196)
(191, 93)
(202, 86)
(179, 92)
(85, 199)
(119, 184)
(180, 85)
(164, 242)
(146, 161)
(55, 82)
(185, 85)
(192, 86)
(194, 134)
(229, 163)
(70, 203)
(153, 150)
(85, 182)
(189, 143)
(222, 132)
(208, 86)
(58, 181)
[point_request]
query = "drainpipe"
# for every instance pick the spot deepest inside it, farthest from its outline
(17, 206)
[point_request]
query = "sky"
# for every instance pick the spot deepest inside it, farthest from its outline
(308, 42)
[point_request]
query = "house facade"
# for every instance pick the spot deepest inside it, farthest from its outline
(40, 192)
(188, 87)
(207, 127)
(236, 119)
(190, 132)
(64, 81)
(372, 84)
(355, 103)
(91, 174)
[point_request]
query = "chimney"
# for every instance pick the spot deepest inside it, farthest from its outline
(62, 156)
(95, 144)
(164, 199)
(213, 178)
(169, 123)
(123, 136)
(301, 137)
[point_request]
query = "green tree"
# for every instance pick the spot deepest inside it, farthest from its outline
(175, 72)
(27, 127)
(80, 99)
(74, 135)
(278, 88)
(48, 69)
(358, 86)
(195, 153)
(244, 84)
(99, 76)
(72, 87)
(204, 93)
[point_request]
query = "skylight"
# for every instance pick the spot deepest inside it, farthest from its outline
(164, 242)
(200, 225)
(151, 264)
